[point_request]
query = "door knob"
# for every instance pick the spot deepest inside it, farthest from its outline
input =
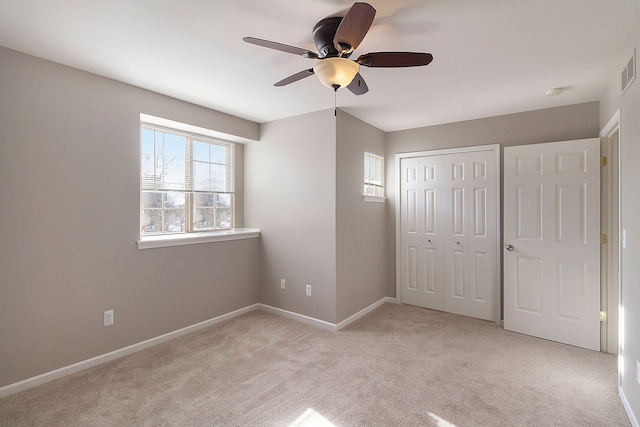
(509, 248)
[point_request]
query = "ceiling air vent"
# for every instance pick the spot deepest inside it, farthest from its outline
(629, 72)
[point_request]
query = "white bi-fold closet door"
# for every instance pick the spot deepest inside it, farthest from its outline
(448, 234)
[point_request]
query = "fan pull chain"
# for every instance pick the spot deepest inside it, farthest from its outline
(335, 95)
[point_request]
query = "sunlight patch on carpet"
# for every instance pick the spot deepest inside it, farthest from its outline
(311, 418)
(441, 422)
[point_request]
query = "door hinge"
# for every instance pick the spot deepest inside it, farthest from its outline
(603, 316)
(603, 238)
(603, 161)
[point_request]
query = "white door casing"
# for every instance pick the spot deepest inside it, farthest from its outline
(610, 222)
(552, 241)
(447, 228)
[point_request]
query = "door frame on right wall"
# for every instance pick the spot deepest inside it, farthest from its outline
(610, 251)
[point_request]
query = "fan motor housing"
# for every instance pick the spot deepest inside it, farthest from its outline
(323, 34)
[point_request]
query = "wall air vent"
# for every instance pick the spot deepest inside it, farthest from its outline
(629, 72)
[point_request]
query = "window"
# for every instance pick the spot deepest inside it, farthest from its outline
(186, 182)
(373, 177)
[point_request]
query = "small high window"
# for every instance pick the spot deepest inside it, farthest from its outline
(373, 177)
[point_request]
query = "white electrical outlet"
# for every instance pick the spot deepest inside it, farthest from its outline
(638, 371)
(308, 290)
(282, 284)
(108, 318)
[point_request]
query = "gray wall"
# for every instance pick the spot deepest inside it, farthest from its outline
(360, 226)
(304, 192)
(549, 125)
(69, 218)
(290, 195)
(629, 106)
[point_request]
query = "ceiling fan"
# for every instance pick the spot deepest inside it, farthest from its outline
(336, 38)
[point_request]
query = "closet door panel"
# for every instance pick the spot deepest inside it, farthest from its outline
(456, 262)
(421, 251)
(482, 237)
(470, 246)
(449, 236)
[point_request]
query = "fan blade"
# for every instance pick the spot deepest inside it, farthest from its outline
(281, 47)
(295, 77)
(395, 59)
(354, 27)
(358, 86)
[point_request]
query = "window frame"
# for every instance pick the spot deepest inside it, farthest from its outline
(377, 184)
(190, 188)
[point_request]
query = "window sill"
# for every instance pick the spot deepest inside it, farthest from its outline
(196, 238)
(374, 199)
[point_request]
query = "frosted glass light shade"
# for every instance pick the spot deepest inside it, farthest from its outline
(336, 71)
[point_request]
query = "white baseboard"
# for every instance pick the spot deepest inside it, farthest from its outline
(349, 320)
(107, 357)
(333, 327)
(299, 317)
(628, 408)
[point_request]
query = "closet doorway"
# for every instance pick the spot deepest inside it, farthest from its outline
(448, 230)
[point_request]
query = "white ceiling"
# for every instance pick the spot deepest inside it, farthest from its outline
(491, 57)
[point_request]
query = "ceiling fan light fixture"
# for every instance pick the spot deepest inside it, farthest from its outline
(336, 38)
(336, 71)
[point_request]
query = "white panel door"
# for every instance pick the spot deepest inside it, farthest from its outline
(470, 275)
(552, 241)
(421, 243)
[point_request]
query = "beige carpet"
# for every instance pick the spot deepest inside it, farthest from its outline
(398, 366)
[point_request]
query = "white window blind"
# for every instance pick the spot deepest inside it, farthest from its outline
(373, 175)
(186, 182)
